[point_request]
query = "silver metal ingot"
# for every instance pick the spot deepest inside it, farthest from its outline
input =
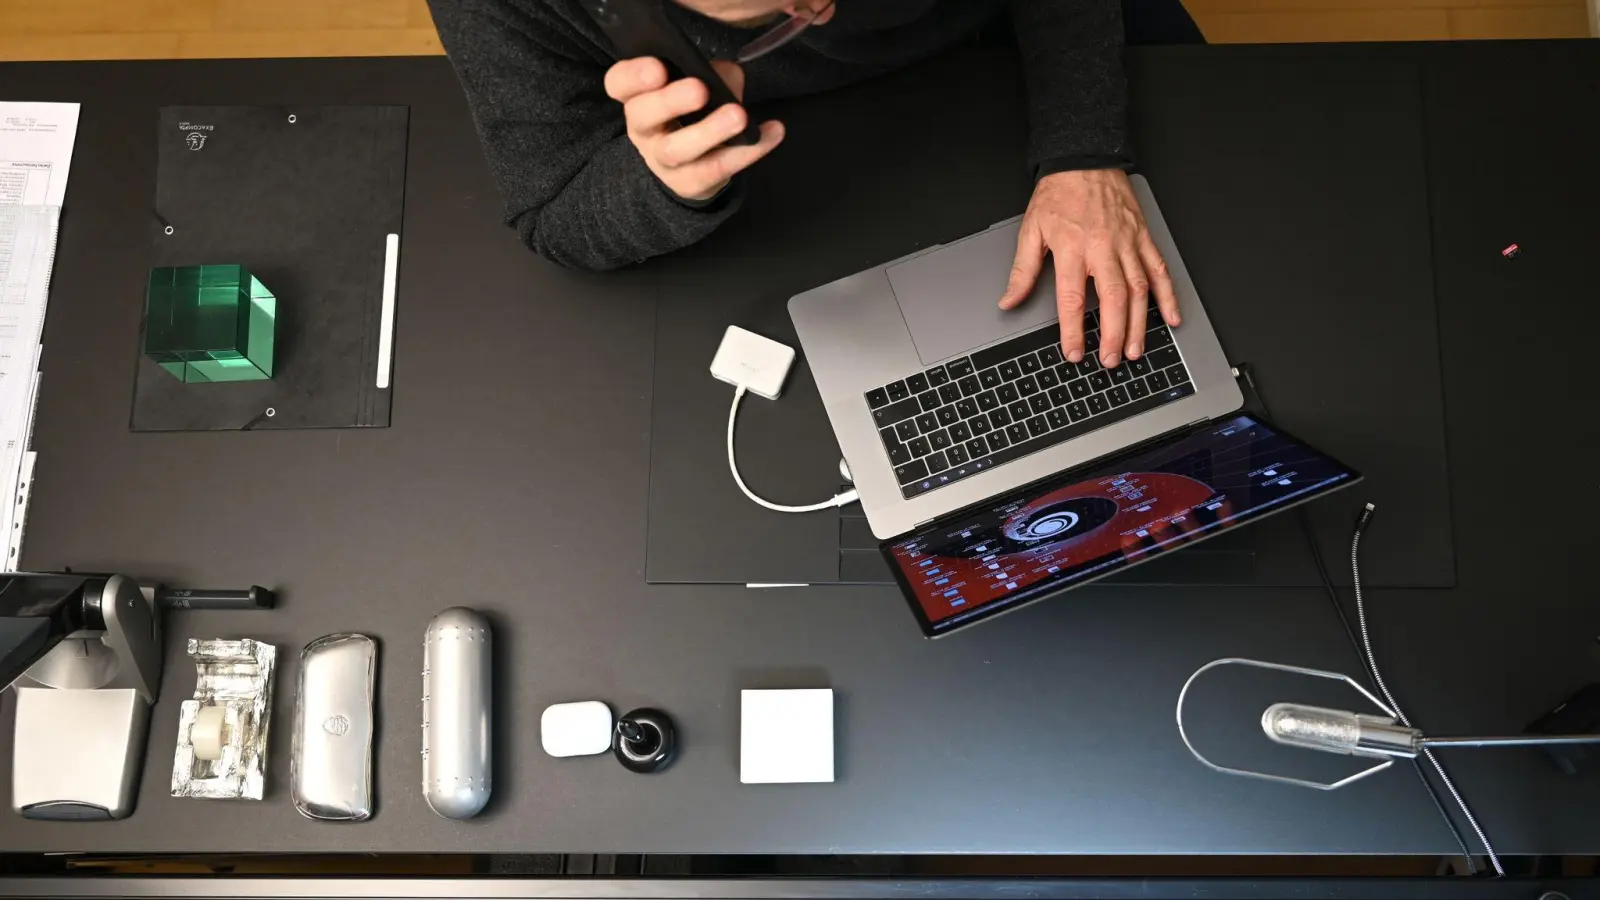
(222, 732)
(456, 698)
(331, 767)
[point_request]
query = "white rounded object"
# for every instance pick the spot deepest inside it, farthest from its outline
(576, 729)
(207, 733)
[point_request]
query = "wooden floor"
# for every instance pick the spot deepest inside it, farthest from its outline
(157, 29)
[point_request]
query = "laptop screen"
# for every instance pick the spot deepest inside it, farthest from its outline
(1086, 524)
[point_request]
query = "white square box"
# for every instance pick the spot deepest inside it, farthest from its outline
(785, 737)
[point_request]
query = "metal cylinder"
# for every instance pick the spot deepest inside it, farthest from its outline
(456, 700)
(1337, 731)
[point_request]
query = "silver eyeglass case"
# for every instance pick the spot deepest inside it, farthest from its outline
(331, 768)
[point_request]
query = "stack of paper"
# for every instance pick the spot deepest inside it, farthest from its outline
(35, 154)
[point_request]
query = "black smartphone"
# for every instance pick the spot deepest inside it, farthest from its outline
(641, 28)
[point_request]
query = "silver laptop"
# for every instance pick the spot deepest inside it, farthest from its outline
(942, 401)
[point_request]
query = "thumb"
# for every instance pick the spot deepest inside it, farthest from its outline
(732, 75)
(1025, 269)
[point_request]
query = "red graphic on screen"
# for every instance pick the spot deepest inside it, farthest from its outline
(1118, 516)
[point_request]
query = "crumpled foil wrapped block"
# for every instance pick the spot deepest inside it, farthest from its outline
(237, 676)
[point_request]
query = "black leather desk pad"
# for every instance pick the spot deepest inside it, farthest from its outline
(305, 206)
(1301, 208)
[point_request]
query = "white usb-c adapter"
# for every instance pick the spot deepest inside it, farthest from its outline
(758, 365)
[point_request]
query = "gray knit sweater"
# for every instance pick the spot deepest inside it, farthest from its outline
(579, 193)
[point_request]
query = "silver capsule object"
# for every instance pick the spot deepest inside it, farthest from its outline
(456, 701)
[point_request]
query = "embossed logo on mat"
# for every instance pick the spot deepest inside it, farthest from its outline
(195, 135)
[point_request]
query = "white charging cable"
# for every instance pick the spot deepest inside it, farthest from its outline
(733, 414)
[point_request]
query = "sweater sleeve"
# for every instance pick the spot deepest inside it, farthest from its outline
(1077, 93)
(574, 186)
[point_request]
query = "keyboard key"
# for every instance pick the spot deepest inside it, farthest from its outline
(997, 441)
(1059, 395)
(1066, 372)
(1028, 363)
(928, 400)
(928, 422)
(1140, 366)
(1033, 340)
(1000, 418)
(977, 448)
(915, 470)
(1057, 418)
(1090, 363)
(1008, 393)
(936, 463)
(1026, 385)
(979, 425)
(1038, 403)
(1117, 395)
(957, 454)
(1157, 381)
(1091, 341)
(1137, 390)
(1017, 432)
(1097, 405)
(919, 448)
(1099, 381)
(1079, 388)
(906, 430)
(949, 393)
(937, 376)
(966, 408)
(1078, 410)
(969, 385)
(1037, 426)
(898, 454)
(917, 383)
(989, 378)
(894, 412)
(1165, 358)
(959, 432)
(947, 415)
(897, 390)
(987, 401)
(1047, 379)
(1178, 375)
(959, 368)
(1157, 337)
(1051, 355)
(1121, 375)
(1018, 410)
(877, 397)
(1009, 370)
(939, 440)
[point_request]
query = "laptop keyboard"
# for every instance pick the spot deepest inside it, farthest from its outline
(1015, 398)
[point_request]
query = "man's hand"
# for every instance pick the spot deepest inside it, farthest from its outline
(687, 159)
(1090, 222)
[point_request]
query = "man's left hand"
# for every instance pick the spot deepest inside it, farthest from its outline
(1091, 223)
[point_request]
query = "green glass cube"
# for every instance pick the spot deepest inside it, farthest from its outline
(209, 323)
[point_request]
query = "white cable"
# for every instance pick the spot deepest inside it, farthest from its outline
(733, 414)
(1377, 678)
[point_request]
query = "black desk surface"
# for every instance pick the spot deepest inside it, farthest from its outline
(1050, 731)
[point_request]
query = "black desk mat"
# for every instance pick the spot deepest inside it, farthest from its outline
(1301, 211)
(303, 198)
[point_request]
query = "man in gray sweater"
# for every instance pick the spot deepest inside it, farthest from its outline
(597, 173)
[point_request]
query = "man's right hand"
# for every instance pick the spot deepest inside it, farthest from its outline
(689, 159)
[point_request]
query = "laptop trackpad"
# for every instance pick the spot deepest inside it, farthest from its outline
(948, 296)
